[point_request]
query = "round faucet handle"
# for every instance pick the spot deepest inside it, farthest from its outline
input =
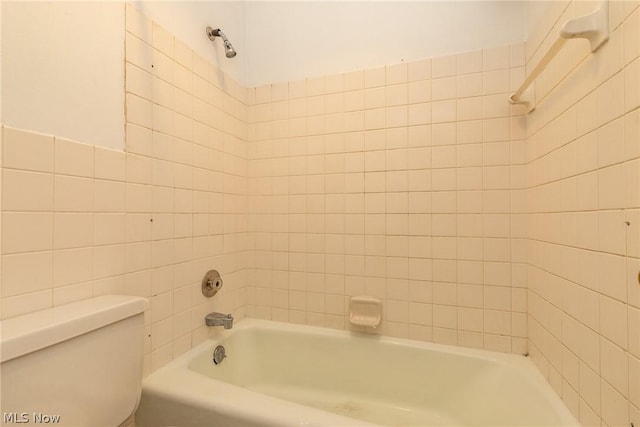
(211, 283)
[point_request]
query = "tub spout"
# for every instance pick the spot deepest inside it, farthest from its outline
(219, 319)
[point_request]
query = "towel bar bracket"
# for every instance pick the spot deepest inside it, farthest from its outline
(593, 27)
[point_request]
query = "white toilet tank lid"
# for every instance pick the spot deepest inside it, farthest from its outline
(31, 332)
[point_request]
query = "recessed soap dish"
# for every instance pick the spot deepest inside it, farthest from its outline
(365, 311)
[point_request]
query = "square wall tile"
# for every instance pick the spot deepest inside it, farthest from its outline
(27, 191)
(26, 273)
(138, 52)
(72, 266)
(72, 230)
(26, 232)
(138, 24)
(27, 150)
(72, 158)
(110, 164)
(73, 194)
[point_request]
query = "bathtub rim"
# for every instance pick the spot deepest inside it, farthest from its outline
(300, 414)
(217, 334)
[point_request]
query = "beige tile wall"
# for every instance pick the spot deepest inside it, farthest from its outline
(403, 182)
(412, 183)
(583, 251)
(1, 160)
(79, 220)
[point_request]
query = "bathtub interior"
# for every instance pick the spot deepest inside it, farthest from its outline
(378, 381)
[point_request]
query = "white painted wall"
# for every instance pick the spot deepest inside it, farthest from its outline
(188, 21)
(297, 39)
(63, 69)
(288, 40)
(0, 62)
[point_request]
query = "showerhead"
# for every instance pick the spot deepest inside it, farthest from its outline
(212, 33)
(230, 52)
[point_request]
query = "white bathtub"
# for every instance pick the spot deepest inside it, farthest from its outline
(280, 374)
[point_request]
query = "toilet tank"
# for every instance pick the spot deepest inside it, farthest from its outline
(78, 364)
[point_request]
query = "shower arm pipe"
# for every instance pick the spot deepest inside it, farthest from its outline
(216, 32)
(593, 27)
